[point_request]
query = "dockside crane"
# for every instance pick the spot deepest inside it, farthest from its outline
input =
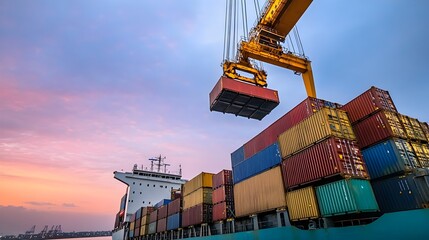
(264, 43)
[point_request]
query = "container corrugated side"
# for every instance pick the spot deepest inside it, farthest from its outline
(237, 156)
(425, 128)
(222, 194)
(224, 177)
(422, 153)
(201, 195)
(201, 213)
(422, 182)
(327, 122)
(265, 159)
(377, 128)
(269, 136)
(394, 156)
(260, 193)
(412, 128)
(331, 157)
(138, 213)
(397, 194)
(346, 196)
(151, 228)
(137, 232)
(223, 211)
(143, 230)
(145, 220)
(369, 102)
(174, 221)
(153, 216)
(132, 225)
(161, 225)
(147, 210)
(302, 204)
(174, 206)
(162, 212)
(201, 180)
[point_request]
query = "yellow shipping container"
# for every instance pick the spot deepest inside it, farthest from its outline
(260, 193)
(323, 124)
(201, 195)
(201, 180)
(145, 220)
(143, 230)
(422, 153)
(302, 204)
(132, 224)
(412, 128)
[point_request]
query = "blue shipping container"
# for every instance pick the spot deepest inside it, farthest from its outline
(263, 160)
(162, 203)
(174, 221)
(237, 156)
(390, 157)
(399, 194)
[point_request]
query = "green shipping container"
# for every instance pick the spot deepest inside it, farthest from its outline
(346, 196)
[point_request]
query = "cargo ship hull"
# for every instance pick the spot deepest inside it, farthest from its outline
(411, 224)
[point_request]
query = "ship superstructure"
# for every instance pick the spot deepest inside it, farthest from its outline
(145, 187)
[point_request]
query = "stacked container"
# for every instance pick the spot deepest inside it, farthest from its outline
(261, 193)
(394, 147)
(132, 225)
(162, 218)
(145, 219)
(197, 200)
(174, 218)
(223, 196)
(152, 221)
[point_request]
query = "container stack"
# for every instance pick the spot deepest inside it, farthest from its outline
(318, 152)
(197, 200)
(145, 219)
(152, 221)
(174, 214)
(132, 225)
(394, 147)
(137, 223)
(223, 196)
(162, 217)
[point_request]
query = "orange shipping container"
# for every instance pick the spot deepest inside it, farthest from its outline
(302, 204)
(260, 193)
(328, 122)
(201, 180)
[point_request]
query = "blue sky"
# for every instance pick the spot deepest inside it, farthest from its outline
(90, 87)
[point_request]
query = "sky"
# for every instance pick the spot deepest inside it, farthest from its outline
(92, 87)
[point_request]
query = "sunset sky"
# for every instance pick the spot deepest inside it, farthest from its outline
(91, 87)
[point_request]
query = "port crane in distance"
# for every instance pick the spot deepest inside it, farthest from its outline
(248, 96)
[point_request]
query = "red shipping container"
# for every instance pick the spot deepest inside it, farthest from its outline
(331, 157)
(300, 112)
(153, 216)
(147, 210)
(161, 225)
(369, 102)
(138, 222)
(222, 194)
(242, 99)
(223, 211)
(174, 206)
(378, 127)
(201, 213)
(224, 177)
(162, 212)
(137, 231)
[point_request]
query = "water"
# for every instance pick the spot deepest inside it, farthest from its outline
(90, 238)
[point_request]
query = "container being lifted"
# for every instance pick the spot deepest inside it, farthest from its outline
(248, 96)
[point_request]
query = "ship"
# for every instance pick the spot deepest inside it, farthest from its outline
(383, 195)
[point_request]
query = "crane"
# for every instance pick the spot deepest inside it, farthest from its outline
(264, 43)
